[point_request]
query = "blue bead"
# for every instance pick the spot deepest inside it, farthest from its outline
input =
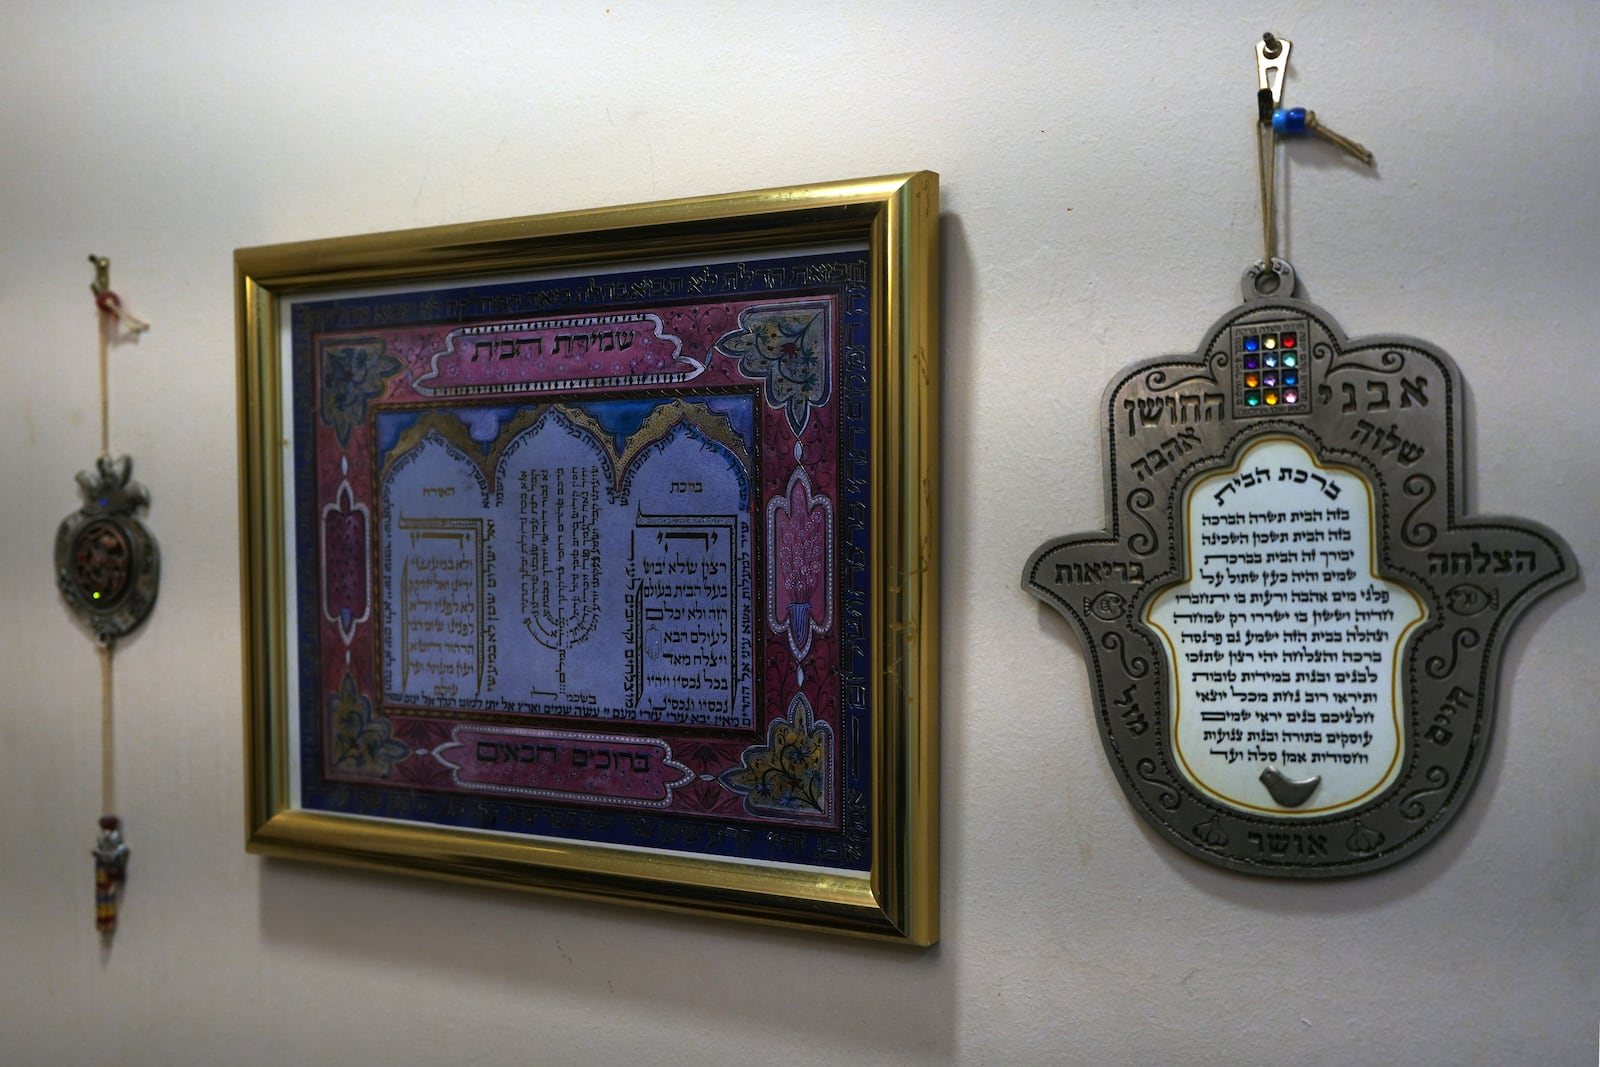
(1251, 344)
(1289, 120)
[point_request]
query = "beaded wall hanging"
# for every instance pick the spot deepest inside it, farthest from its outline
(108, 567)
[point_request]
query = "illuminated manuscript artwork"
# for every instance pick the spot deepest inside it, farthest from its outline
(570, 563)
(1293, 624)
(607, 553)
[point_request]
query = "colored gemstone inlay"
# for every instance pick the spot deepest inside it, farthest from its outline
(1251, 363)
(1251, 381)
(1269, 379)
(1271, 361)
(1269, 342)
(1253, 398)
(1288, 340)
(1290, 396)
(1272, 398)
(1250, 344)
(1291, 377)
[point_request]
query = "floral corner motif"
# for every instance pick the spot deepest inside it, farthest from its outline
(799, 564)
(792, 774)
(362, 741)
(787, 346)
(353, 372)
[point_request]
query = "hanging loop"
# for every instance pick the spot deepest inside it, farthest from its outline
(1268, 280)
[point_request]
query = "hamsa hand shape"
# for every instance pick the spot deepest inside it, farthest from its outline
(1293, 625)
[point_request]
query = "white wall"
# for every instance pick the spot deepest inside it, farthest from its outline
(1099, 195)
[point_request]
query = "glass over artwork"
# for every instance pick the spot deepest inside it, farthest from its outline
(572, 573)
(579, 571)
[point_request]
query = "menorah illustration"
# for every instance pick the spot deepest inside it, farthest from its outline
(561, 606)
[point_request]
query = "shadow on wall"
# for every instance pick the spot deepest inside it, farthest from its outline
(821, 996)
(801, 988)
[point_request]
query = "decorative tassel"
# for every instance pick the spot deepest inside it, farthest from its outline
(110, 870)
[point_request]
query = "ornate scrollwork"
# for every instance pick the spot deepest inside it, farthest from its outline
(1464, 638)
(1167, 796)
(1137, 667)
(1418, 534)
(1156, 380)
(1141, 544)
(1411, 806)
(1390, 362)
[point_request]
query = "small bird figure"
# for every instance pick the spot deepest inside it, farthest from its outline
(1289, 792)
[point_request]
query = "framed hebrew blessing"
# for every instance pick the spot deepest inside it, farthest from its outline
(596, 553)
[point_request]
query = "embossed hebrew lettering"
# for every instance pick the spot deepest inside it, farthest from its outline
(1292, 621)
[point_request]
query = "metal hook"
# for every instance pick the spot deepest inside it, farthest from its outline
(1272, 63)
(102, 274)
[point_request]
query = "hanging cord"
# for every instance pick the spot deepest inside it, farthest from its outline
(111, 852)
(1272, 119)
(105, 383)
(114, 320)
(108, 318)
(108, 792)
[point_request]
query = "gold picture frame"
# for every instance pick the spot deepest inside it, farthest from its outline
(596, 553)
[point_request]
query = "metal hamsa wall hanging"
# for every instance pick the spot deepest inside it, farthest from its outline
(1293, 623)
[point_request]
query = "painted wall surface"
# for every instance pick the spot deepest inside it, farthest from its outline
(1100, 204)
